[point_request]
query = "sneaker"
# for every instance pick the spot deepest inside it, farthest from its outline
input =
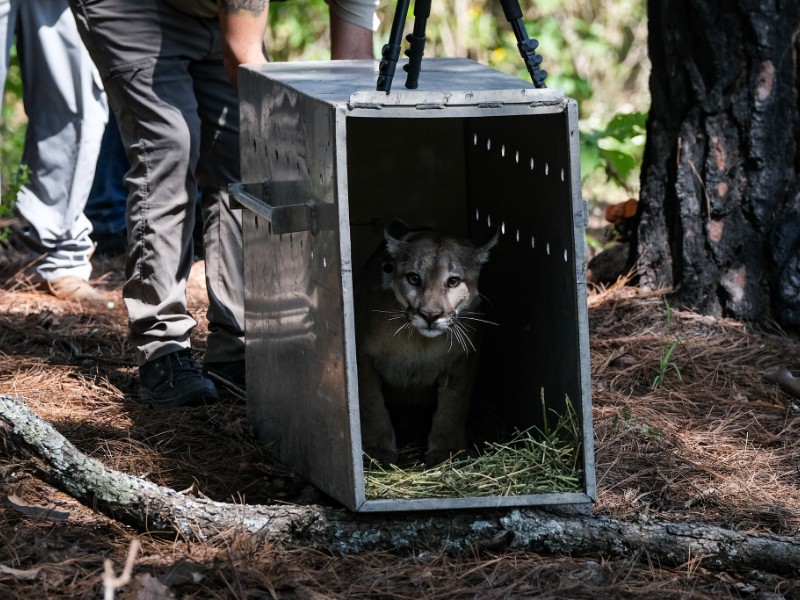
(72, 287)
(175, 380)
(228, 375)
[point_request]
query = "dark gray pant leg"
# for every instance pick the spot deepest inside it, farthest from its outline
(164, 77)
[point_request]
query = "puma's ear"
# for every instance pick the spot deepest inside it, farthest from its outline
(395, 232)
(481, 253)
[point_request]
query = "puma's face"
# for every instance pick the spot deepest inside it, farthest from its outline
(434, 284)
(434, 279)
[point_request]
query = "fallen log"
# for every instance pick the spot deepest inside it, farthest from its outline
(149, 507)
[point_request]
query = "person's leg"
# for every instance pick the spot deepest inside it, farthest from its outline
(218, 166)
(160, 131)
(144, 66)
(67, 112)
(105, 207)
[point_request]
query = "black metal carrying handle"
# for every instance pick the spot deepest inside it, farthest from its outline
(422, 9)
(259, 198)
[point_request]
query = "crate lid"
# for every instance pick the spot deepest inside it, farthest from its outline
(443, 82)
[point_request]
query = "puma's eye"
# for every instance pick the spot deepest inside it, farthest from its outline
(453, 281)
(413, 279)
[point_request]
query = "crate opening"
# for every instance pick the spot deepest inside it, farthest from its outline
(468, 177)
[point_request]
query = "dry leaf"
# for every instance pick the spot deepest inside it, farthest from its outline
(26, 575)
(47, 513)
(146, 587)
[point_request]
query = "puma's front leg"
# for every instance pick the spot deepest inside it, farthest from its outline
(377, 433)
(449, 428)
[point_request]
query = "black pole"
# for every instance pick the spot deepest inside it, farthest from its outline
(416, 39)
(422, 9)
(391, 50)
(527, 46)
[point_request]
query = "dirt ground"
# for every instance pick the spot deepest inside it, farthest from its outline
(686, 429)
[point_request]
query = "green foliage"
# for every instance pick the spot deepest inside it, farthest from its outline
(636, 428)
(12, 139)
(592, 49)
(665, 363)
(615, 149)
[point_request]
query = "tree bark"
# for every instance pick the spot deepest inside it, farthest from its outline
(147, 506)
(720, 200)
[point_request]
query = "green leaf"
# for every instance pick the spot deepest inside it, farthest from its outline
(620, 162)
(626, 126)
(591, 160)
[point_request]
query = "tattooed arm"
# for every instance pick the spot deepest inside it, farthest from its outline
(243, 24)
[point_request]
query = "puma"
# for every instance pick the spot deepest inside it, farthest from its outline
(419, 340)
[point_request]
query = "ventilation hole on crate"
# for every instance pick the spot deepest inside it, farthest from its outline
(269, 228)
(565, 255)
(533, 242)
(312, 254)
(546, 169)
(516, 156)
(324, 262)
(547, 247)
(255, 221)
(475, 140)
(562, 174)
(488, 143)
(503, 228)
(503, 150)
(297, 165)
(532, 164)
(276, 154)
(488, 220)
(477, 215)
(255, 144)
(517, 235)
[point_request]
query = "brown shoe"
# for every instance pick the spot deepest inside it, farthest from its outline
(71, 287)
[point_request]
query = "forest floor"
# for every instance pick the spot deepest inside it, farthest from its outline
(709, 441)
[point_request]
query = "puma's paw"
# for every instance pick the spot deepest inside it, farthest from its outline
(383, 456)
(434, 457)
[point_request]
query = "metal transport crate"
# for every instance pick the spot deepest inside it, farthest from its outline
(326, 161)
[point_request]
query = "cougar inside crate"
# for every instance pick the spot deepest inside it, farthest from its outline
(418, 341)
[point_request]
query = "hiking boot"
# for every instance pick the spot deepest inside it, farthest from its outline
(228, 375)
(75, 289)
(175, 380)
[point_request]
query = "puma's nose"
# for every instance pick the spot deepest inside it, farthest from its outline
(430, 315)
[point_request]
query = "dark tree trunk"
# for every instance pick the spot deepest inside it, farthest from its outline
(720, 200)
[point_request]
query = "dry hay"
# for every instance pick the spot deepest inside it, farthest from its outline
(718, 445)
(529, 462)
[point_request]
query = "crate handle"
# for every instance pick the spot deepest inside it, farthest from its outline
(258, 197)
